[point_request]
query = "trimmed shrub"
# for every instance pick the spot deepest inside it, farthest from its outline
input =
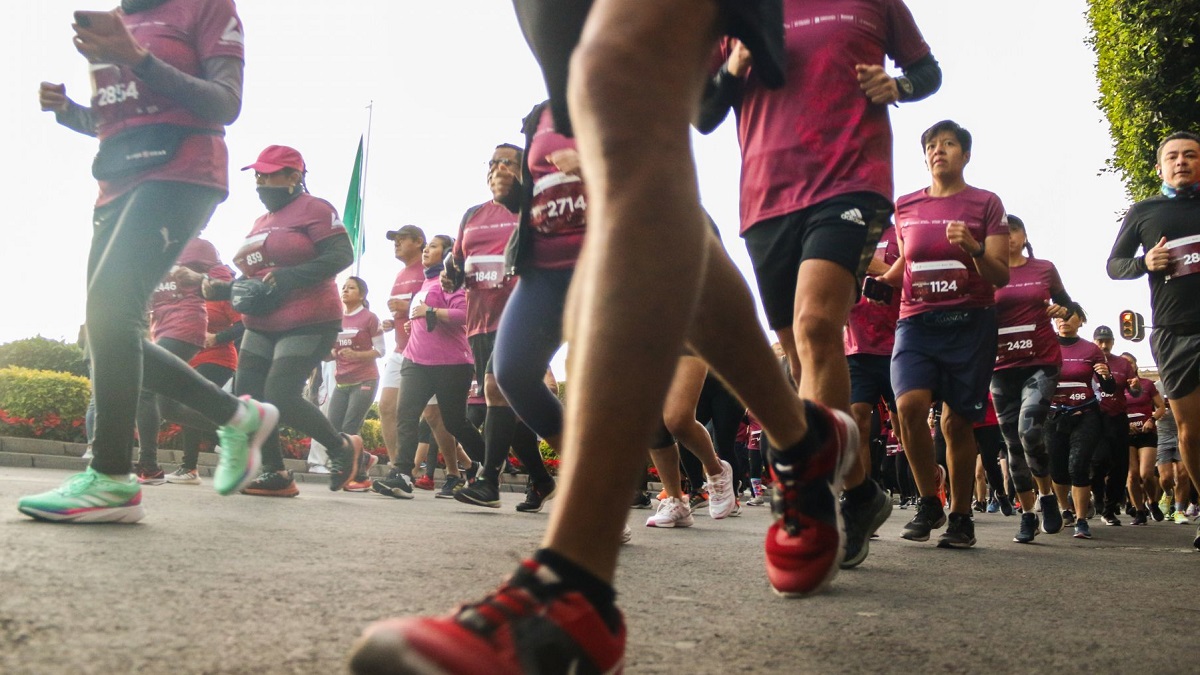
(43, 404)
(372, 436)
(39, 353)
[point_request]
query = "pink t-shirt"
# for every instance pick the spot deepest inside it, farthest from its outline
(558, 213)
(408, 282)
(481, 243)
(1140, 406)
(871, 328)
(359, 330)
(446, 344)
(287, 238)
(937, 274)
(177, 311)
(1122, 371)
(1025, 335)
(819, 136)
(183, 35)
(1078, 371)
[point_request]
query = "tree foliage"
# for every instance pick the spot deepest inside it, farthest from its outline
(41, 353)
(1148, 65)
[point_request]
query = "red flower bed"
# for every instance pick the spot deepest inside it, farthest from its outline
(50, 427)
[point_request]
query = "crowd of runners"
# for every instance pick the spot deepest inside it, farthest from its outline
(924, 357)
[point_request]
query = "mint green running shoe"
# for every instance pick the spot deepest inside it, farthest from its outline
(241, 446)
(88, 497)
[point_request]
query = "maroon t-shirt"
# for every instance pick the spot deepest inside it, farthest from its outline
(177, 311)
(937, 274)
(819, 136)
(1026, 336)
(1122, 371)
(481, 242)
(558, 212)
(183, 35)
(287, 238)
(1075, 380)
(358, 333)
(1140, 406)
(871, 328)
(408, 282)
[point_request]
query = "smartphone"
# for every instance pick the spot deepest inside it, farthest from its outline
(95, 20)
(874, 289)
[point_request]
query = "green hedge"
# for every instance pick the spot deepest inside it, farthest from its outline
(41, 353)
(43, 404)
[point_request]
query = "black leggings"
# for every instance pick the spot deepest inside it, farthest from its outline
(1071, 440)
(149, 419)
(1110, 463)
(990, 443)
(192, 437)
(418, 384)
(274, 367)
(722, 409)
(135, 241)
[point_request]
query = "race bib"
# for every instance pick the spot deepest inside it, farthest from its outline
(1185, 256)
(345, 338)
(484, 271)
(938, 280)
(1073, 393)
(559, 205)
(115, 94)
(166, 291)
(251, 258)
(1015, 343)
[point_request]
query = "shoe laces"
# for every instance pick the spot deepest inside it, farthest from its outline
(78, 484)
(521, 595)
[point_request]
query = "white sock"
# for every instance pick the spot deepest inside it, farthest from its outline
(239, 416)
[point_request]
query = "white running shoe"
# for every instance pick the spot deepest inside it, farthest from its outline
(721, 499)
(182, 476)
(672, 512)
(318, 468)
(626, 534)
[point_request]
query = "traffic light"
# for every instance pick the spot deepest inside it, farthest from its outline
(1133, 326)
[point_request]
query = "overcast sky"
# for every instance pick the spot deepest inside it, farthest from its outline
(450, 80)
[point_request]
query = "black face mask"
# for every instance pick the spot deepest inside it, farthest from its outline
(275, 198)
(134, 6)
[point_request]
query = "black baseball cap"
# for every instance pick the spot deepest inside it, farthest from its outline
(1102, 333)
(407, 231)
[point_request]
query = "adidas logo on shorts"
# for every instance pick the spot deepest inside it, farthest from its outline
(854, 216)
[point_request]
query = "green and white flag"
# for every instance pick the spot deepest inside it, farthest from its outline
(352, 214)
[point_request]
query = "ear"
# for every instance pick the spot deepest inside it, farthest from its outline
(966, 158)
(1158, 170)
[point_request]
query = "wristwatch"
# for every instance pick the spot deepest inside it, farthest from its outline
(904, 85)
(981, 251)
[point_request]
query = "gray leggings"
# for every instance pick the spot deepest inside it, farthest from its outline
(348, 405)
(1022, 399)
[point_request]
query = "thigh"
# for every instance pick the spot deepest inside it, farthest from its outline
(845, 230)
(294, 358)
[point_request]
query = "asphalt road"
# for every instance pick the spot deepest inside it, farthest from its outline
(257, 585)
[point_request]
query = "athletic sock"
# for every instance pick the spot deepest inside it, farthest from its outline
(575, 578)
(498, 428)
(239, 416)
(818, 430)
(861, 494)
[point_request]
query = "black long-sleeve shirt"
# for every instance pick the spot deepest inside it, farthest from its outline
(1174, 299)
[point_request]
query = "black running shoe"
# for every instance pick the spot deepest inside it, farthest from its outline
(960, 533)
(1028, 530)
(1006, 506)
(1156, 512)
(1196, 541)
(929, 517)
(396, 484)
(1110, 518)
(1052, 517)
(272, 484)
(343, 462)
(1068, 517)
(471, 473)
(1129, 510)
(479, 493)
(536, 496)
(861, 520)
(641, 500)
(1140, 518)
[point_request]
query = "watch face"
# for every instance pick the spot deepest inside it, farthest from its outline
(905, 85)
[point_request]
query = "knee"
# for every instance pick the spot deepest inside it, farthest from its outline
(491, 391)
(817, 332)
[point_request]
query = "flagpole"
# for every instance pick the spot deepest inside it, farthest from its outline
(362, 190)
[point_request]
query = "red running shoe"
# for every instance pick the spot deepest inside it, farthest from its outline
(807, 542)
(530, 625)
(423, 483)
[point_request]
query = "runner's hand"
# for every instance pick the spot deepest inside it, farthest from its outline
(387, 324)
(1057, 312)
(879, 87)
(565, 160)
(109, 44)
(958, 234)
(53, 97)
(740, 59)
(1101, 369)
(1158, 259)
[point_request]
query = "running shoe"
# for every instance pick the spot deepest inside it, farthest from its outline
(960, 532)
(720, 493)
(320, 469)
(662, 494)
(737, 509)
(1068, 517)
(806, 543)
(272, 484)
(1129, 510)
(531, 624)
(396, 484)
(480, 493)
(1082, 531)
(1165, 504)
(641, 500)
(358, 486)
(1156, 512)
(1142, 518)
(626, 534)
(449, 487)
(862, 519)
(1091, 509)
(366, 462)
(1028, 530)
(344, 462)
(1052, 517)
(1005, 504)
(536, 496)
(425, 482)
(88, 497)
(698, 500)
(1110, 518)
(1196, 541)
(992, 506)
(241, 445)
(756, 500)
(672, 512)
(930, 516)
(1181, 518)
(1193, 511)
(182, 476)
(471, 473)
(148, 476)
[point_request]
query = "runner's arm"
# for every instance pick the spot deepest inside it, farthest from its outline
(215, 96)
(722, 92)
(1121, 261)
(925, 75)
(333, 255)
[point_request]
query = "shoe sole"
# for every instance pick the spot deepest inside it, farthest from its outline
(466, 499)
(152, 481)
(671, 525)
(943, 543)
(113, 514)
(389, 492)
(539, 506)
(936, 526)
(272, 493)
(190, 481)
(1081, 536)
(268, 418)
(881, 516)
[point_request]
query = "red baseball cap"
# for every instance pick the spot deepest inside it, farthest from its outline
(276, 158)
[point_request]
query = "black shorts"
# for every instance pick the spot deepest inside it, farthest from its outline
(871, 379)
(482, 346)
(1178, 359)
(552, 29)
(955, 362)
(1144, 440)
(843, 230)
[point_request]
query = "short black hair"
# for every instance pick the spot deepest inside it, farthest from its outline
(963, 136)
(520, 151)
(1178, 135)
